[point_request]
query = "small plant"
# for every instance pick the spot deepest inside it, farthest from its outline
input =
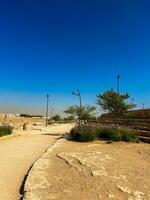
(5, 130)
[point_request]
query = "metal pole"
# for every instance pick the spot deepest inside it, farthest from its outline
(143, 105)
(118, 84)
(80, 107)
(47, 96)
(132, 102)
(79, 95)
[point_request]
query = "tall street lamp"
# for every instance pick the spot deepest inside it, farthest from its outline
(143, 105)
(118, 83)
(132, 102)
(47, 102)
(77, 93)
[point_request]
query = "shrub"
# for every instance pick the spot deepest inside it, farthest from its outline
(117, 135)
(109, 134)
(128, 136)
(5, 130)
(89, 133)
(83, 134)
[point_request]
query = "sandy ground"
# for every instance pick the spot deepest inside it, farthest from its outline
(17, 154)
(99, 171)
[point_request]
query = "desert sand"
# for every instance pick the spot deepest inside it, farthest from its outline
(99, 171)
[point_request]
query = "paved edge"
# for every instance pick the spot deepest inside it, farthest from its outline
(37, 179)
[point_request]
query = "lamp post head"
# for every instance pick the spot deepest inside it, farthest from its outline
(118, 76)
(75, 93)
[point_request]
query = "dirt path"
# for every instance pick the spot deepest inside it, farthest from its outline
(17, 154)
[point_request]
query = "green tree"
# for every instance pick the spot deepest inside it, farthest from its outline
(84, 113)
(115, 103)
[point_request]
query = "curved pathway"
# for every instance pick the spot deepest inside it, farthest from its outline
(17, 154)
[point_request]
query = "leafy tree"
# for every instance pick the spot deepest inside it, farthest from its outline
(114, 103)
(83, 113)
(56, 117)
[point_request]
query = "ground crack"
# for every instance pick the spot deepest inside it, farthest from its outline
(21, 190)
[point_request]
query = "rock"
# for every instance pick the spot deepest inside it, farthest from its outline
(111, 196)
(123, 189)
(120, 177)
(99, 173)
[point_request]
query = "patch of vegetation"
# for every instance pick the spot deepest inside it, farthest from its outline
(29, 115)
(83, 113)
(56, 118)
(5, 130)
(128, 136)
(115, 103)
(89, 133)
(83, 134)
(109, 134)
(117, 134)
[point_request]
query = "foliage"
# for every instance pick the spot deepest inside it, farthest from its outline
(29, 115)
(82, 134)
(84, 113)
(114, 103)
(25, 115)
(117, 135)
(89, 133)
(56, 117)
(69, 118)
(5, 130)
(108, 134)
(128, 136)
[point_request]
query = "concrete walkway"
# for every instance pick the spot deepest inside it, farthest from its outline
(17, 154)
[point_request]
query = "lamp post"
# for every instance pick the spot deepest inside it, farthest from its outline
(132, 102)
(143, 105)
(77, 93)
(118, 83)
(47, 102)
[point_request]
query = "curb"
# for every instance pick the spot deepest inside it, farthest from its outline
(37, 179)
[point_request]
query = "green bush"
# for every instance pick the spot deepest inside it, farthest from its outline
(89, 133)
(117, 135)
(108, 134)
(5, 130)
(128, 136)
(83, 134)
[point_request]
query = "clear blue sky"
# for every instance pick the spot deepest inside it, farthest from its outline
(57, 46)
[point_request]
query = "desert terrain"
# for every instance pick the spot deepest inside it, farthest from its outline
(99, 171)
